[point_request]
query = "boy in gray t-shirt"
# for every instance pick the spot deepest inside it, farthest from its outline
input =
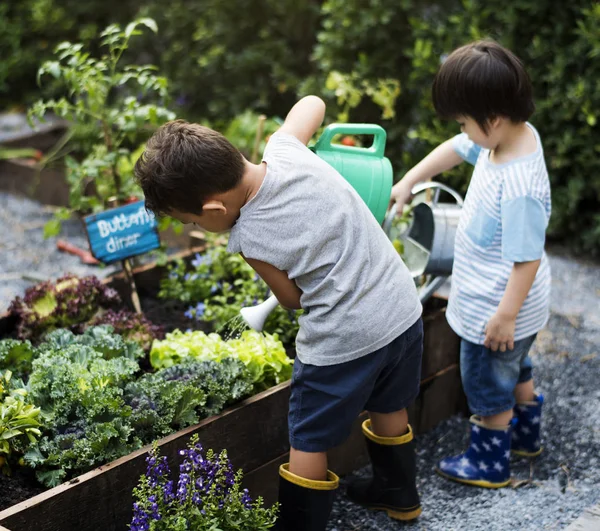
(309, 235)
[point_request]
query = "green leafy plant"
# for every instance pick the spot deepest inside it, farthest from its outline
(16, 356)
(262, 354)
(217, 285)
(207, 495)
(114, 100)
(179, 396)
(68, 302)
(78, 382)
(19, 421)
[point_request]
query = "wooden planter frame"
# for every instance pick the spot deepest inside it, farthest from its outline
(254, 432)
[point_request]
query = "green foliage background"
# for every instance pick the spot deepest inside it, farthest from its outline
(372, 61)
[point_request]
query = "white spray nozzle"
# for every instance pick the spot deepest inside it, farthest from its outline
(255, 316)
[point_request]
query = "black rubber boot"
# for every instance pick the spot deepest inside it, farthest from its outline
(305, 504)
(392, 488)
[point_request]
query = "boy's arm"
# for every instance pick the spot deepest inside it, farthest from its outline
(500, 330)
(287, 292)
(304, 118)
(441, 159)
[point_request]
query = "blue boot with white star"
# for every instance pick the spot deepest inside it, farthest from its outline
(526, 433)
(486, 461)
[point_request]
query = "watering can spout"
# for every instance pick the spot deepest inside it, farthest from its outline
(255, 316)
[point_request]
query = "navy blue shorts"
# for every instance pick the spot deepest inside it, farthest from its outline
(326, 400)
(489, 378)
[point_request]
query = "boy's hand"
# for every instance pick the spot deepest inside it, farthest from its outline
(500, 333)
(401, 195)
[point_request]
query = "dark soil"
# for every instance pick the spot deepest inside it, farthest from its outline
(170, 315)
(18, 487)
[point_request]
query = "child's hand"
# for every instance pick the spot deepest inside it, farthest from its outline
(401, 195)
(500, 333)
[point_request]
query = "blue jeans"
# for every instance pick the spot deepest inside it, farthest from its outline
(489, 378)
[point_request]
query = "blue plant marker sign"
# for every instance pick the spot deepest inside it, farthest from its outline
(122, 232)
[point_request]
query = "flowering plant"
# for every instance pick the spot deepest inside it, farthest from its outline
(216, 285)
(206, 496)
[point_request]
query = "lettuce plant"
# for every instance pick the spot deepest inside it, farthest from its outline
(216, 285)
(206, 496)
(131, 326)
(263, 354)
(65, 303)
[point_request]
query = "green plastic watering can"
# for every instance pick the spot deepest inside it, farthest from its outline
(367, 170)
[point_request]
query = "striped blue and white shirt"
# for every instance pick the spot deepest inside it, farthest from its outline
(503, 221)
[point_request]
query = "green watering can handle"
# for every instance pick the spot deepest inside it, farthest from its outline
(376, 150)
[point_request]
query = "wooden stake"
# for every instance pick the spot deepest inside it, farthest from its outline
(259, 133)
(135, 298)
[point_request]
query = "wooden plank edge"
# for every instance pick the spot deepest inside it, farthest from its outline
(92, 474)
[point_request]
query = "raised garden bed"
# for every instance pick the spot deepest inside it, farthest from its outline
(254, 432)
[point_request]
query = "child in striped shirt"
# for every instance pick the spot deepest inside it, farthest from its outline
(500, 291)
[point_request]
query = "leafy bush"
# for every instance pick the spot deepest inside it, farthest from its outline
(262, 354)
(179, 396)
(19, 421)
(131, 326)
(207, 495)
(68, 302)
(16, 356)
(217, 285)
(116, 101)
(78, 382)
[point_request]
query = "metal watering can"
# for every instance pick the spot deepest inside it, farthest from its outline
(429, 238)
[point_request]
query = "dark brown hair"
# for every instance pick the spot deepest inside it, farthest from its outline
(483, 80)
(184, 164)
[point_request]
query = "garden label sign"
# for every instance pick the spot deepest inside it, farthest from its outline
(123, 232)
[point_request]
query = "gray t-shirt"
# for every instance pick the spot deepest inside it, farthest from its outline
(306, 219)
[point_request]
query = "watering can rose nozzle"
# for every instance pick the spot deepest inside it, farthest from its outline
(255, 316)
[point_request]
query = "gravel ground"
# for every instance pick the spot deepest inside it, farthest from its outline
(555, 489)
(565, 479)
(24, 251)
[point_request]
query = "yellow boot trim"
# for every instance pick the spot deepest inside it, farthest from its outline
(475, 482)
(332, 482)
(386, 441)
(476, 419)
(522, 453)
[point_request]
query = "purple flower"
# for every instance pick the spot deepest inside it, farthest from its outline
(140, 521)
(173, 275)
(200, 307)
(246, 499)
(190, 312)
(198, 260)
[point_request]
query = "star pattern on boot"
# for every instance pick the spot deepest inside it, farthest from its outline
(487, 447)
(498, 466)
(476, 428)
(535, 420)
(495, 441)
(482, 466)
(476, 448)
(507, 454)
(525, 430)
